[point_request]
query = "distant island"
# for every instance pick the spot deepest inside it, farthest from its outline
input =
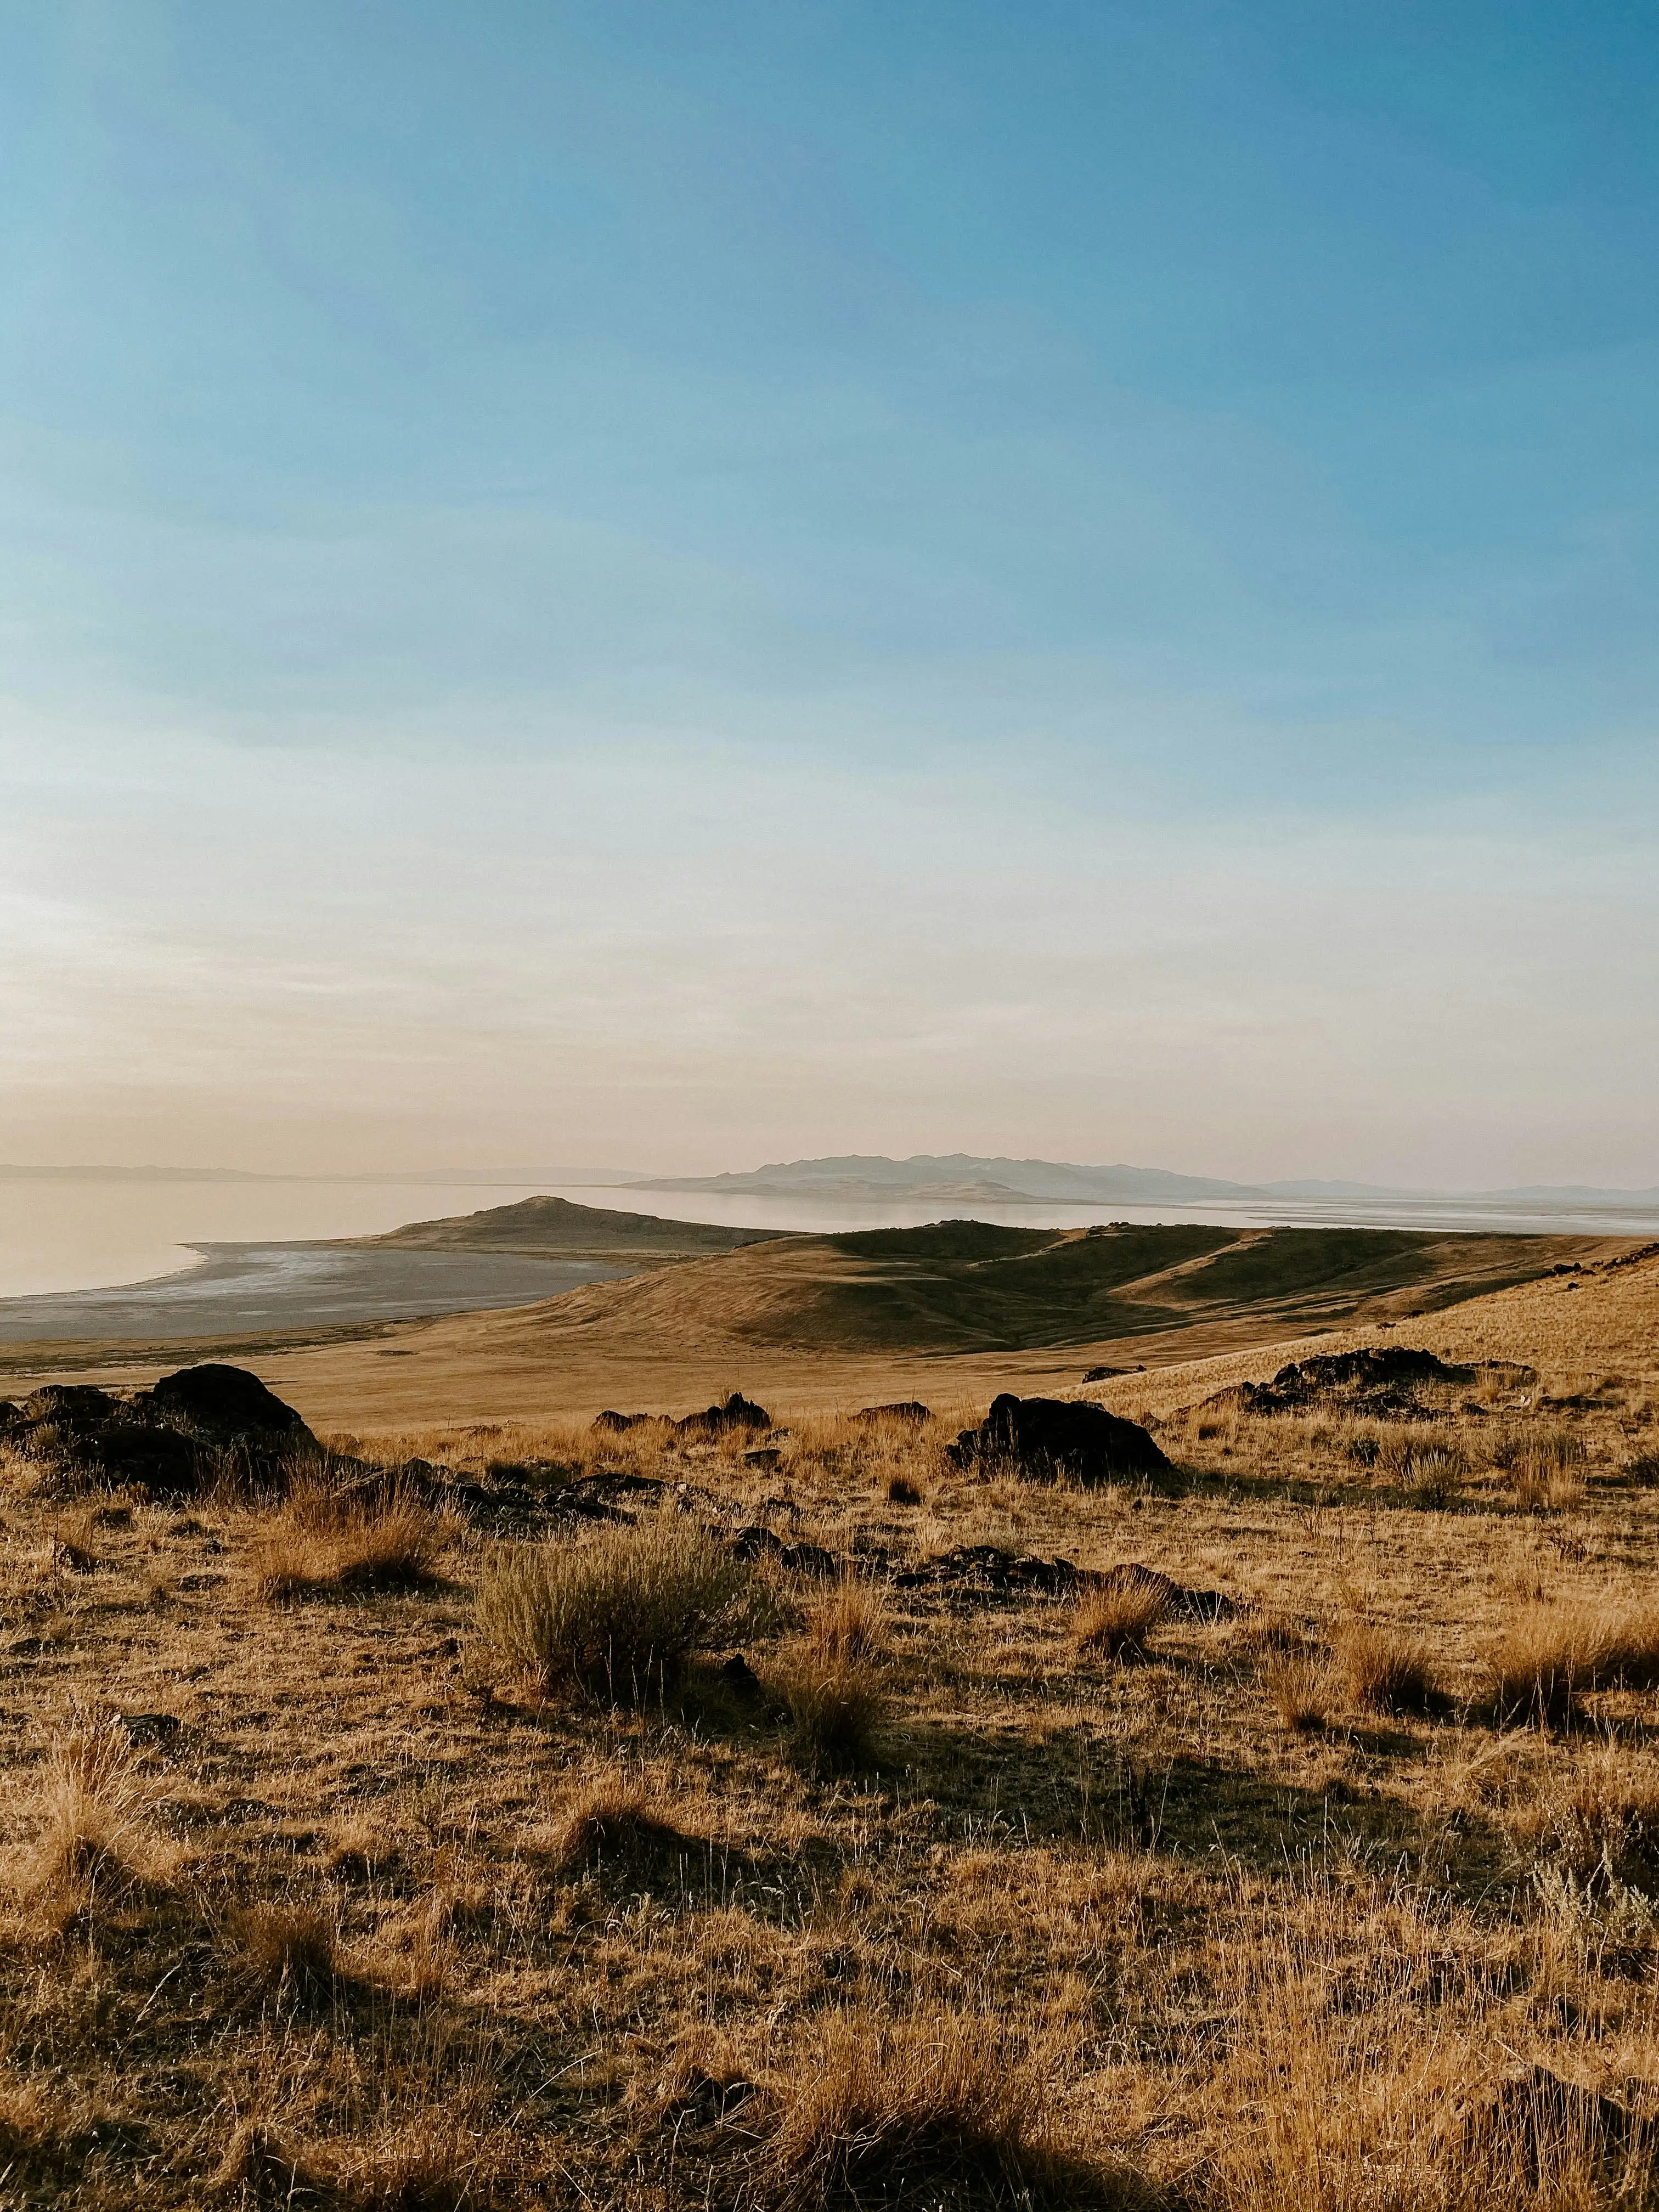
(859, 1175)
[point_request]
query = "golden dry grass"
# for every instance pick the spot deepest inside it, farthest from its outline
(321, 1540)
(382, 1922)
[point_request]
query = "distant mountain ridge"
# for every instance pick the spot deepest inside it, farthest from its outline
(874, 1176)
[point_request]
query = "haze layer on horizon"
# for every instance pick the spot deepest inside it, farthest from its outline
(690, 585)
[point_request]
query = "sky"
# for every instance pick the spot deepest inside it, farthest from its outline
(675, 585)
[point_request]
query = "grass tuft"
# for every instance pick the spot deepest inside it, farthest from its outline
(1382, 1669)
(615, 1822)
(1299, 1689)
(1551, 1654)
(928, 2113)
(835, 1703)
(850, 1624)
(615, 1616)
(289, 1952)
(1113, 1620)
(97, 1833)
(321, 1541)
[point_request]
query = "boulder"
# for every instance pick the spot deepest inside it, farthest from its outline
(610, 1423)
(907, 1409)
(756, 1543)
(1047, 1438)
(1543, 2127)
(225, 1405)
(808, 1559)
(736, 1411)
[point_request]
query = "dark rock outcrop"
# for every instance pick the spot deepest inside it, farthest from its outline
(1378, 1379)
(1048, 1438)
(907, 1409)
(166, 1442)
(79, 1435)
(986, 1572)
(225, 1405)
(736, 1411)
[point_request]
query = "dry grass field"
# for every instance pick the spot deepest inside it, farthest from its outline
(363, 1851)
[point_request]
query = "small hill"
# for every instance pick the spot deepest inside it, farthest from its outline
(964, 1287)
(556, 1229)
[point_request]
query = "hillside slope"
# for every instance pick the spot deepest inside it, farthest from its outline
(967, 1287)
(557, 1229)
(1586, 1333)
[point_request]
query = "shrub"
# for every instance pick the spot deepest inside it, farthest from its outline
(1436, 1474)
(1544, 1462)
(1113, 1619)
(1599, 1811)
(617, 1615)
(1381, 1668)
(1363, 1446)
(900, 1491)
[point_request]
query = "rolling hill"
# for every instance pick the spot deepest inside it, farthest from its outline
(557, 1229)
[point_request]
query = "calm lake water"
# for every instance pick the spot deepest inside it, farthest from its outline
(62, 1234)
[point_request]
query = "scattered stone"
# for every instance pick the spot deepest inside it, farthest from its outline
(1547, 2125)
(740, 1677)
(985, 1570)
(149, 1728)
(765, 1459)
(756, 1543)
(1379, 1379)
(1105, 1374)
(807, 1559)
(1047, 1438)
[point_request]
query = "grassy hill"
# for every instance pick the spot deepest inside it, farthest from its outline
(968, 1286)
(556, 1229)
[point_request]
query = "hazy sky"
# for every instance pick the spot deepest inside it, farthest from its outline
(680, 585)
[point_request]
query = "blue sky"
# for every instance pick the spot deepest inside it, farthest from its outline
(1055, 578)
